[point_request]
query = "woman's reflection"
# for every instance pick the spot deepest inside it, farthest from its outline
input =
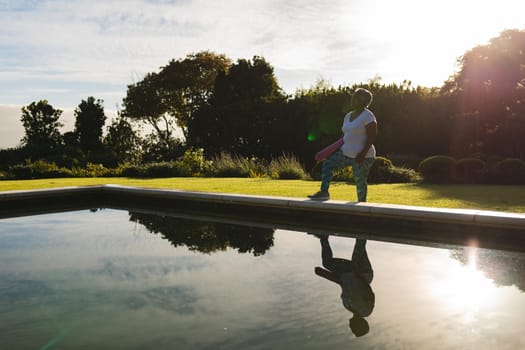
(354, 276)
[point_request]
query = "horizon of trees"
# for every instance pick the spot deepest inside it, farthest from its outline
(238, 107)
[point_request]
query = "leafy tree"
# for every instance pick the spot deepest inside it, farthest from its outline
(207, 237)
(40, 121)
(168, 99)
(90, 119)
(489, 94)
(123, 141)
(240, 117)
(411, 120)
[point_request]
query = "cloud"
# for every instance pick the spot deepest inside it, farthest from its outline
(64, 51)
(11, 129)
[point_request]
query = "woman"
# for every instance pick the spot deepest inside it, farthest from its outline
(354, 276)
(359, 133)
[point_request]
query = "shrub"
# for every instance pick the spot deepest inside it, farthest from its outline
(343, 174)
(469, 170)
(315, 172)
(227, 165)
(410, 161)
(478, 155)
(393, 175)
(493, 160)
(160, 169)
(192, 163)
(438, 169)
(96, 170)
(382, 171)
(38, 170)
(286, 167)
(382, 162)
(511, 171)
(91, 170)
(132, 171)
(381, 165)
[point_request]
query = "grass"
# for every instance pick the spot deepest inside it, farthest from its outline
(487, 197)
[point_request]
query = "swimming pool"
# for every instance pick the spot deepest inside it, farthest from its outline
(109, 279)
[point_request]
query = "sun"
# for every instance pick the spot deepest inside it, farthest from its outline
(465, 289)
(421, 41)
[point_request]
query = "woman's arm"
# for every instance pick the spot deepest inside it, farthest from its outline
(371, 134)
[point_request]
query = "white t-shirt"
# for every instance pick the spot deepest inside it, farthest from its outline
(354, 134)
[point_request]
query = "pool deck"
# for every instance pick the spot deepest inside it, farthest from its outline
(397, 223)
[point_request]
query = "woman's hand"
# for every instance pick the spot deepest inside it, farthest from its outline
(360, 157)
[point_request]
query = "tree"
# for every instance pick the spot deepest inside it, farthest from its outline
(90, 119)
(40, 121)
(240, 117)
(123, 142)
(168, 99)
(207, 237)
(489, 90)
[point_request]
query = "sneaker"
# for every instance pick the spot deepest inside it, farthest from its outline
(321, 196)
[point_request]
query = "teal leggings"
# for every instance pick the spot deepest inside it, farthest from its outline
(360, 171)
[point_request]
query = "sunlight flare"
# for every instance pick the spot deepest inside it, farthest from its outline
(464, 288)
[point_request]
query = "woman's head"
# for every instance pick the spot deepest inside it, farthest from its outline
(359, 326)
(361, 98)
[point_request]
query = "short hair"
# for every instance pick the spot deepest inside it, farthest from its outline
(364, 95)
(359, 326)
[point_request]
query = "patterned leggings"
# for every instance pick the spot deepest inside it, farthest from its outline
(359, 263)
(360, 171)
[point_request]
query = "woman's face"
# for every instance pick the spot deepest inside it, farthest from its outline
(357, 102)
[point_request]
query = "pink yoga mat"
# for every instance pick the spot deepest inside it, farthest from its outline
(325, 152)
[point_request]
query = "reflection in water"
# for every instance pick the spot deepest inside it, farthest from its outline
(354, 276)
(86, 280)
(207, 237)
(504, 268)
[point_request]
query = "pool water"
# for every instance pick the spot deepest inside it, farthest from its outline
(110, 279)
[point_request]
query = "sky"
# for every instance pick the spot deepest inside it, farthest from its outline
(64, 51)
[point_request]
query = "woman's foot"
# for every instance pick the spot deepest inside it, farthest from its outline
(320, 196)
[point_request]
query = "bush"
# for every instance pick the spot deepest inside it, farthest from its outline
(511, 171)
(132, 171)
(13, 156)
(468, 170)
(286, 167)
(343, 174)
(160, 169)
(410, 161)
(192, 163)
(382, 171)
(393, 175)
(227, 165)
(438, 169)
(381, 162)
(37, 170)
(92, 170)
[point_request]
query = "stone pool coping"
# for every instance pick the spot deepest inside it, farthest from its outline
(382, 221)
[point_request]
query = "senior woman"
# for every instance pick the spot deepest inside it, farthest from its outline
(358, 151)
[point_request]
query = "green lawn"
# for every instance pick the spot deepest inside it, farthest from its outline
(501, 198)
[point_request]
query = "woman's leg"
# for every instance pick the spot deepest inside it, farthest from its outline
(361, 172)
(336, 161)
(361, 262)
(336, 265)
